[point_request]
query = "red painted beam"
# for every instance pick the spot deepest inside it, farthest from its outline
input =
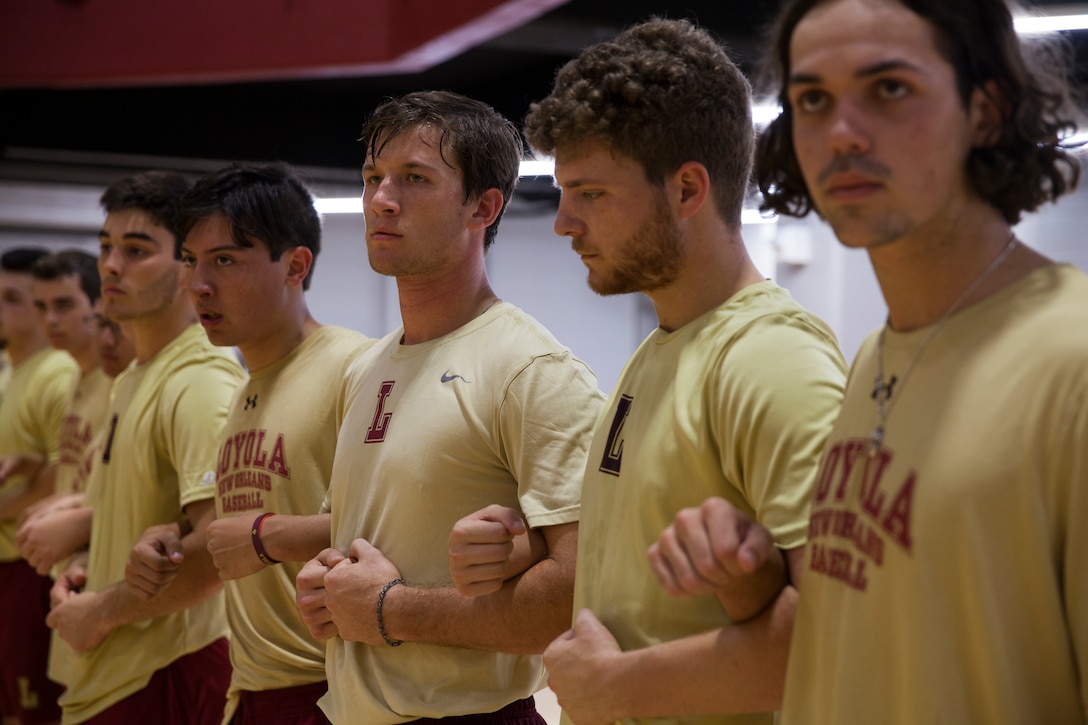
(89, 43)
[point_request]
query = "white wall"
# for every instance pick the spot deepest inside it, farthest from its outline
(531, 267)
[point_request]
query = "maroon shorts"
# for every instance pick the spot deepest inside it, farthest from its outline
(191, 690)
(25, 691)
(519, 712)
(286, 706)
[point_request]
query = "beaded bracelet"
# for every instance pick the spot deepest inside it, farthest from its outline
(381, 624)
(255, 534)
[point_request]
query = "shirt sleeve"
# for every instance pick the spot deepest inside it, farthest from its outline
(782, 385)
(1069, 478)
(547, 418)
(51, 405)
(193, 423)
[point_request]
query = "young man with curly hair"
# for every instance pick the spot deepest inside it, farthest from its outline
(730, 398)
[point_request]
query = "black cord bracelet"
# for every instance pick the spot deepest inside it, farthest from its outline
(381, 624)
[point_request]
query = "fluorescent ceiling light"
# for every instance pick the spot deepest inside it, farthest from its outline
(354, 205)
(1034, 24)
(764, 113)
(537, 167)
(341, 205)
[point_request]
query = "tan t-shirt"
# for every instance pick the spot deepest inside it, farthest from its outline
(737, 404)
(5, 373)
(88, 405)
(81, 437)
(276, 456)
(165, 420)
(30, 418)
(946, 578)
(496, 412)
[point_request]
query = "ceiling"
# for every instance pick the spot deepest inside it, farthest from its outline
(115, 84)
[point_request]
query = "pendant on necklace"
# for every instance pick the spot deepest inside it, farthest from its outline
(876, 440)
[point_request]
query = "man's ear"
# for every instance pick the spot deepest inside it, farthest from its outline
(693, 183)
(299, 262)
(487, 210)
(988, 110)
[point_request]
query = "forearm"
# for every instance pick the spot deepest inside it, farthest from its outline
(15, 499)
(742, 668)
(78, 522)
(54, 535)
(197, 579)
(522, 617)
(747, 598)
(296, 538)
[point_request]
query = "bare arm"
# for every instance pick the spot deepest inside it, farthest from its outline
(524, 615)
(284, 537)
(597, 683)
(49, 504)
(54, 535)
(26, 465)
(39, 485)
(87, 618)
(491, 546)
(714, 549)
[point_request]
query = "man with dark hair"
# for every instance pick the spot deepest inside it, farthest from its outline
(945, 580)
(250, 238)
(470, 403)
(730, 398)
(165, 660)
(30, 419)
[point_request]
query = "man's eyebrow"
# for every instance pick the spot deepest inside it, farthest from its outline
(410, 165)
(233, 247)
(864, 72)
(143, 236)
(578, 182)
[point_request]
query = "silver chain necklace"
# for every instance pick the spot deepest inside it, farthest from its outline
(882, 392)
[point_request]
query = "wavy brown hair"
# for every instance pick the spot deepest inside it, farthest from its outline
(474, 138)
(1027, 165)
(663, 92)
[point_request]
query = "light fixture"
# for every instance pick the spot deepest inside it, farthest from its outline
(339, 205)
(354, 204)
(1036, 24)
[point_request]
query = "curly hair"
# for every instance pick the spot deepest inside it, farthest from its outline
(265, 202)
(663, 93)
(483, 144)
(1026, 167)
(156, 193)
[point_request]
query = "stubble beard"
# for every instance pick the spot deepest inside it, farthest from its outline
(151, 301)
(857, 230)
(650, 257)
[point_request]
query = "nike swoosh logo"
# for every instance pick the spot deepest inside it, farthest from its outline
(446, 377)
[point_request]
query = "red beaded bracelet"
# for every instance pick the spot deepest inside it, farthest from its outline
(255, 534)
